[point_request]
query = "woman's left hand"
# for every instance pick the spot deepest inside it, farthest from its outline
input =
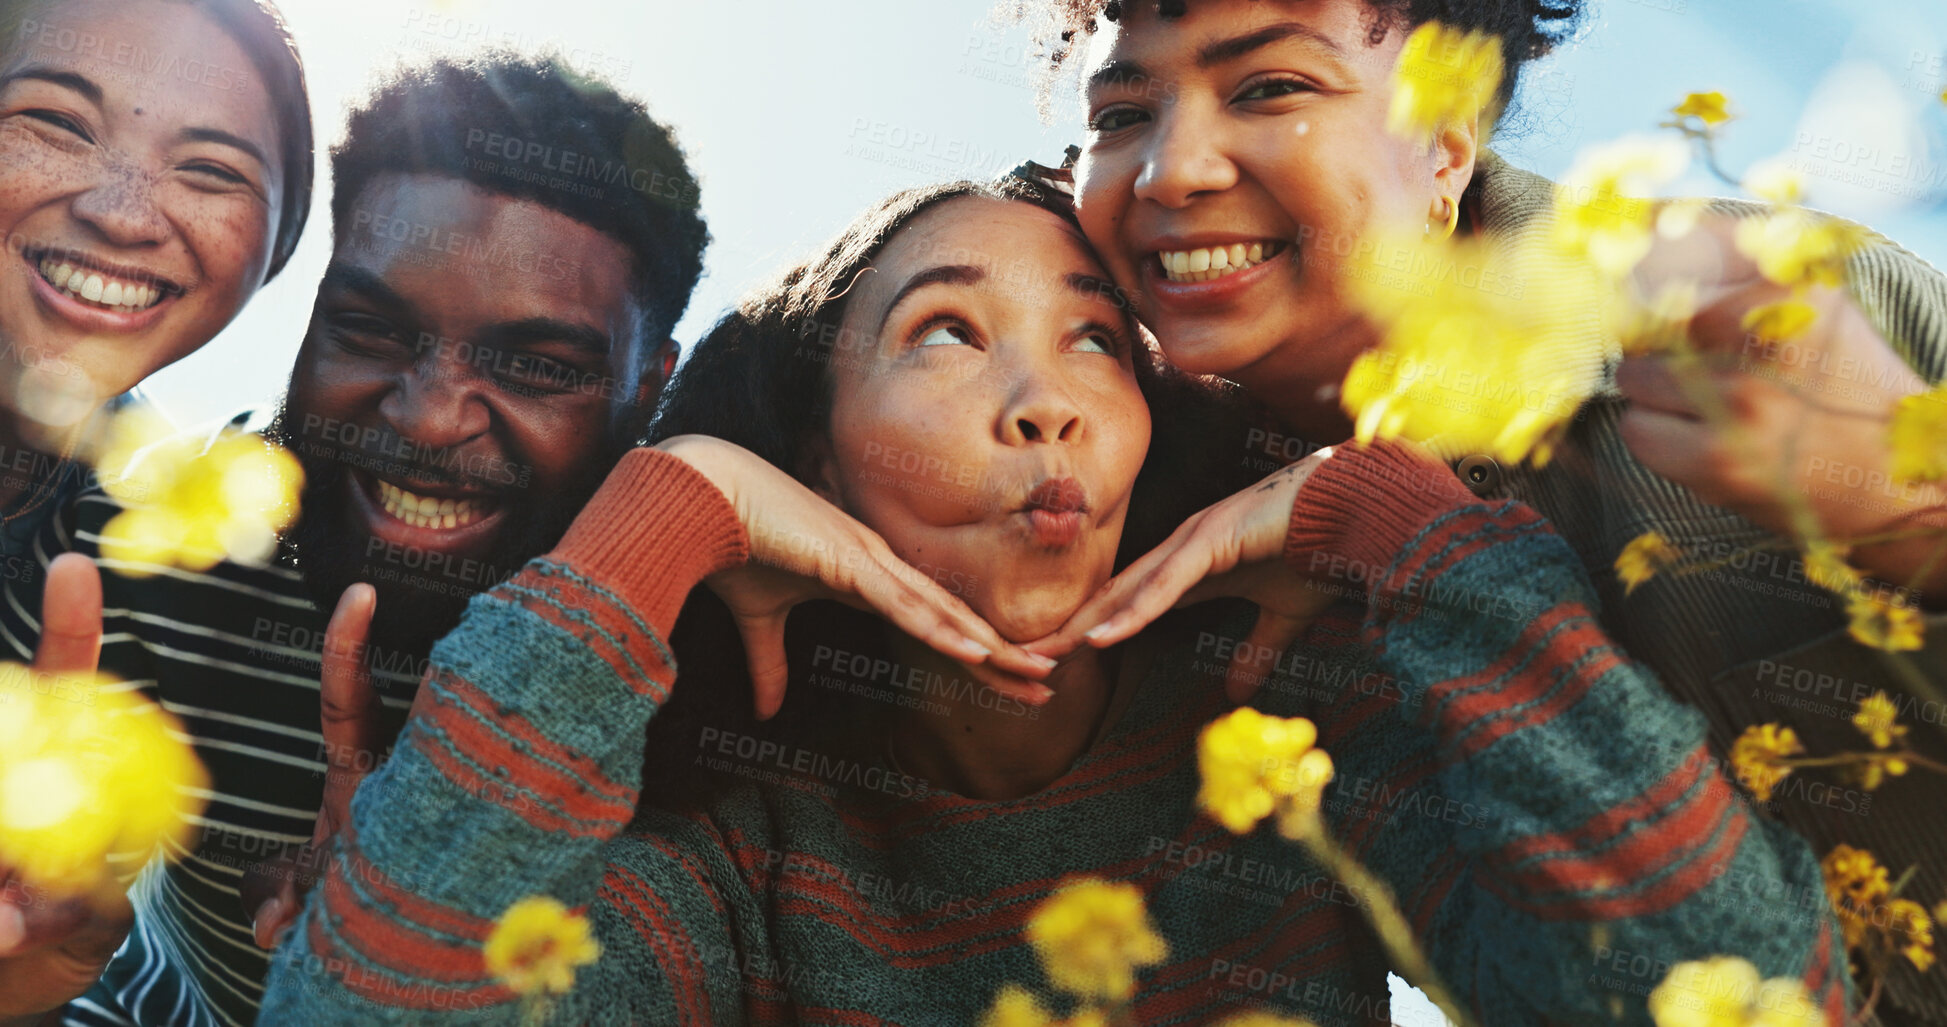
(1235, 548)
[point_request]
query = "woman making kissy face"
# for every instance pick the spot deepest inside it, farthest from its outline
(885, 877)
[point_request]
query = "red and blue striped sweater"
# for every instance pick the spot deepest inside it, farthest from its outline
(1547, 817)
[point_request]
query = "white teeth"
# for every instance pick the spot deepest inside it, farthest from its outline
(119, 296)
(1202, 265)
(425, 511)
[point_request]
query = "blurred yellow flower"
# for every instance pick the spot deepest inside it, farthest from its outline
(537, 945)
(1444, 76)
(1480, 351)
(1091, 935)
(1826, 567)
(1855, 884)
(1710, 108)
(1757, 755)
(85, 772)
(1796, 247)
(1875, 768)
(1724, 991)
(1643, 557)
(1910, 930)
(1254, 766)
(1919, 436)
(1876, 720)
(1015, 1006)
(1601, 213)
(1782, 321)
(1775, 181)
(193, 506)
(1883, 623)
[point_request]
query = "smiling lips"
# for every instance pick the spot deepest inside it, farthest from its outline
(426, 511)
(89, 283)
(1206, 263)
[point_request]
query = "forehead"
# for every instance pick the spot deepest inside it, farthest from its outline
(447, 243)
(169, 59)
(1142, 35)
(1017, 246)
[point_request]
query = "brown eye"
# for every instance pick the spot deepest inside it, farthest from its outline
(946, 335)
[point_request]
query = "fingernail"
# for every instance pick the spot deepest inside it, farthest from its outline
(13, 928)
(980, 652)
(1096, 632)
(1042, 693)
(1044, 662)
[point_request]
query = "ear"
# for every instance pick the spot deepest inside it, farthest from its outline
(817, 469)
(1455, 147)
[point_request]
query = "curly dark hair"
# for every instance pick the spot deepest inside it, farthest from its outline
(1527, 29)
(761, 379)
(533, 129)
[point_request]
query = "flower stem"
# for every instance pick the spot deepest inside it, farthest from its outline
(1383, 913)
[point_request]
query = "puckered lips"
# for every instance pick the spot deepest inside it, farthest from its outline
(426, 514)
(99, 295)
(1055, 510)
(1186, 273)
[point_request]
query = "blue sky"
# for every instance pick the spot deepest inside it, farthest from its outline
(796, 115)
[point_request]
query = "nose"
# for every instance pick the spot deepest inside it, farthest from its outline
(437, 405)
(1182, 160)
(1040, 411)
(121, 205)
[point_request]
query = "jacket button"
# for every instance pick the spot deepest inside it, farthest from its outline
(1481, 474)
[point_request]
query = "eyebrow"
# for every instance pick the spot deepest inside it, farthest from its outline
(944, 274)
(1222, 51)
(530, 330)
(356, 279)
(66, 79)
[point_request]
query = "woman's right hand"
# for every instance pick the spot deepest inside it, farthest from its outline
(802, 548)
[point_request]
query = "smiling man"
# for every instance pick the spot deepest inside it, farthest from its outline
(511, 247)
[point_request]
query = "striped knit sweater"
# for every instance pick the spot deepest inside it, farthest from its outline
(1546, 815)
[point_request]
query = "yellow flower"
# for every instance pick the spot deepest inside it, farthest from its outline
(1884, 624)
(537, 945)
(1710, 108)
(1919, 436)
(1910, 929)
(1876, 768)
(85, 772)
(1091, 935)
(1643, 557)
(1826, 567)
(1015, 1006)
(1261, 1019)
(1600, 213)
(1855, 884)
(1444, 76)
(1795, 247)
(189, 506)
(1255, 765)
(1757, 755)
(1724, 991)
(1779, 322)
(1660, 324)
(1775, 181)
(1480, 351)
(1876, 720)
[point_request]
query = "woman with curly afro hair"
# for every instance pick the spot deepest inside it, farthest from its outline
(1220, 129)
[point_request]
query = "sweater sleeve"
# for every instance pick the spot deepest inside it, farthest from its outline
(518, 771)
(1616, 848)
